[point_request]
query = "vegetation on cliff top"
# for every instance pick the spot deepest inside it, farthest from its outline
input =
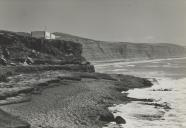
(16, 48)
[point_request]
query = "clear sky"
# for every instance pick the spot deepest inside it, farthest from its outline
(110, 20)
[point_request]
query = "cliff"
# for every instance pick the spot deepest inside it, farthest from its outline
(18, 47)
(102, 50)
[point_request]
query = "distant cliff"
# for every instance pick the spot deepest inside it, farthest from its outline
(101, 50)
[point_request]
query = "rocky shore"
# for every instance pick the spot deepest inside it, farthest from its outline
(62, 98)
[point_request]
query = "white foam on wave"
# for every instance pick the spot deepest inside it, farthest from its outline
(138, 114)
(131, 65)
(178, 87)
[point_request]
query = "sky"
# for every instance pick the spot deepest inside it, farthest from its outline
(147, 21)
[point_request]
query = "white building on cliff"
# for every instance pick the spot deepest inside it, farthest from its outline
(42, 35)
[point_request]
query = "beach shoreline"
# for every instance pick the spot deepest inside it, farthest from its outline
(82, 99)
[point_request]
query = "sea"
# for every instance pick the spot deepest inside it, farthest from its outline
(168, 93)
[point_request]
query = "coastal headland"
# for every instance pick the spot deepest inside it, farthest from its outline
(49, 84)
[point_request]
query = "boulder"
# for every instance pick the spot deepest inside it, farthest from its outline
(120, 120)
(106, 116)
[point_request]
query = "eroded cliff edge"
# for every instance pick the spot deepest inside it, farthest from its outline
(102, 50)
(17, 49)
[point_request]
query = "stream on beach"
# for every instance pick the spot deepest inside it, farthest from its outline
(168, 93)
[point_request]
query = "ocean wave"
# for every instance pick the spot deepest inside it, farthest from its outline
(167, 110)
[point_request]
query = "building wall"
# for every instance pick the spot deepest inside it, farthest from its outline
(52, 36)
(47, 35)
(42, 34)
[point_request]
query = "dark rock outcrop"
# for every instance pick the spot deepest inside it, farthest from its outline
(17, 48)
(106, 116)
(120, 120)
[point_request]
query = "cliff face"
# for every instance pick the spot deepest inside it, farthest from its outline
(106, 51)
(100, 50)
(17, 48)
